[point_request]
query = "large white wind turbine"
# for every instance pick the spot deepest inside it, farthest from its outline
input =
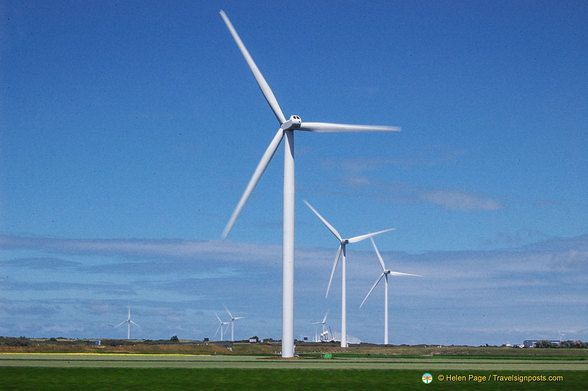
(129, 322)
(286, 130)
(221, 326)
(233, 319)
(385, 273)
(342, 250)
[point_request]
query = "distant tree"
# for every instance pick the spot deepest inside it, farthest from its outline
(573, 344)
(567, 344)
(174, 339)
(544, 344)
(11, 341)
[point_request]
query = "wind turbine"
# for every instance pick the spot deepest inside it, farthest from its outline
(129, 322)
(233, 319)
(220, 326)
(385, 273)
(324, 327)
(342, 250)
(286, 130)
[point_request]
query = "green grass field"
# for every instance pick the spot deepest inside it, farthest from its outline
(172, 379)
(59, 371)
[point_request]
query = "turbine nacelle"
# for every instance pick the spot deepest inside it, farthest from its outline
(293, 123)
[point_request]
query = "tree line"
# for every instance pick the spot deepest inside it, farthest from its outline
(563, 344)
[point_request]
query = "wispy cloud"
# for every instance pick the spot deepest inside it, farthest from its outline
(14, 285)
(50, 263)
(435, 156)
(515, 239)
(449, 199)
(459, 200)
(355, 174)
(139, 248)
(188, 281)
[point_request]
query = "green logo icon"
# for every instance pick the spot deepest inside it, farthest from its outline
(427, 378)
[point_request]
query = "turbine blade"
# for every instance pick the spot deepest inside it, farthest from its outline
(325, 222)
(263, 86)
(404, 274)
(373, 287)
(229, 312)
(363, 237)
(378, 254)
(261, 166)
(121, 323)
(325, 127)
(219, 319)
(325, 318)
(334, 267)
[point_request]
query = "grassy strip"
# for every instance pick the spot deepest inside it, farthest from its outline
(264, 363)
(91, 379)
(271, 350)
(448, 356)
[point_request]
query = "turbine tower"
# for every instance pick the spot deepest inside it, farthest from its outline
(129, 322)
(286, 130)
(232, 322)
(342, 250)
(220, 326)
(385, 273)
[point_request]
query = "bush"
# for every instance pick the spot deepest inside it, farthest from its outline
(11, 341)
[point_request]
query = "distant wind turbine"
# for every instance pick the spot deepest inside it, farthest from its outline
(342, 250)
(129, 322)
(286, 130)
(233, 319)
(325, 330)
(385, 273)
(220, 327)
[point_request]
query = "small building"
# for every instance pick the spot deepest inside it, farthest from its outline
(254, 340)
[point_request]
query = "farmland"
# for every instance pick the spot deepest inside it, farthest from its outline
(307, 350)
(65, 365)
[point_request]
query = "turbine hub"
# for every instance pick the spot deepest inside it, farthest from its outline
(293, 123)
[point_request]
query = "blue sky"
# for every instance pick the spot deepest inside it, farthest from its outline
(128, 132)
